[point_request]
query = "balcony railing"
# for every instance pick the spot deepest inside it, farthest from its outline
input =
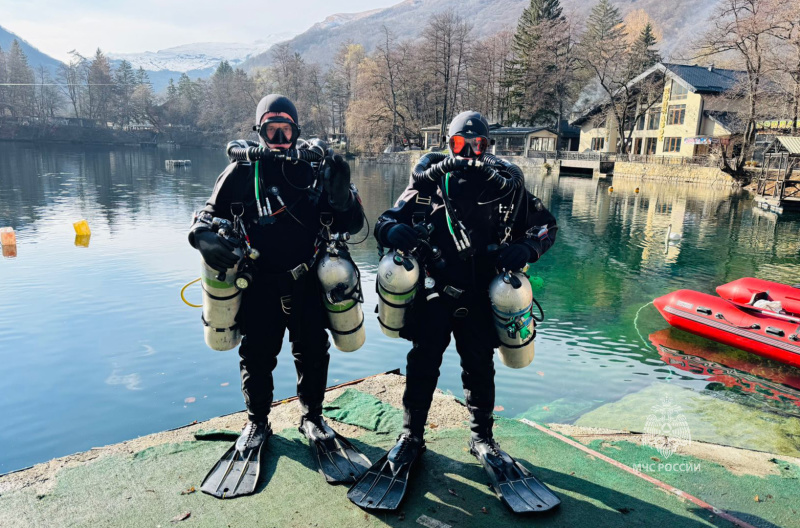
(571, 155)
(701, 161)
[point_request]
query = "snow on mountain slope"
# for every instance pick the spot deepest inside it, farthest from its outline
(198, 56)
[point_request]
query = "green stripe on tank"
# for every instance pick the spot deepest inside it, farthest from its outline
(214, 283)
(401, 297)
(339, 307)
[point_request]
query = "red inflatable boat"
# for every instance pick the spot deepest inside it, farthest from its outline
(733, 320)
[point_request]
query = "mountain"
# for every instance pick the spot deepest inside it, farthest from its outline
(198, 60)
(680, 20)
(35, 57)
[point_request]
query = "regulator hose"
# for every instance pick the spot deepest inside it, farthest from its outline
(241, 150)
(502, 174)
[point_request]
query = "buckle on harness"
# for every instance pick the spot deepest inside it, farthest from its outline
(298, 271)
(423, 200)
(461, 312)
(453, 292)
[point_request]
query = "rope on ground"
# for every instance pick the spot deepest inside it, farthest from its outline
(675, 491)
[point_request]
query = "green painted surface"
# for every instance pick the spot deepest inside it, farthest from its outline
(709, 419)
(145, 489)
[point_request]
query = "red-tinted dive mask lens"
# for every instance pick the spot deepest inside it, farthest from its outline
(458, 145)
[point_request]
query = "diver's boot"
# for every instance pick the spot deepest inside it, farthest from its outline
(337, 459)
(384, 485)
(513, 484)
(238, 470)
(253, 435)
(414, 422)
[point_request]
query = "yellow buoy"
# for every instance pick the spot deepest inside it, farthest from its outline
(610, 189)
(82, 228)
(636, 190)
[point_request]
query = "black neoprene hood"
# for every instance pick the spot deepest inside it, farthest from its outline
(276, 103)
(469, 124)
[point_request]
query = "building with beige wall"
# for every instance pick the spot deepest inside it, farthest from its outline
(692, 115)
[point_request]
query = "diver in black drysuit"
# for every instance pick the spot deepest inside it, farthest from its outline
(284, 292)
(462, 308)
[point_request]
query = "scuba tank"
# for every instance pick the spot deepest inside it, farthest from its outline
(341, 288)
(398, 274)
(222, 292)
(512, 308)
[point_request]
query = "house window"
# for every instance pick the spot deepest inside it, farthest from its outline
(653, 120)
(650, 145)
(672, 144)
(678, 92)
(598, 143)
(637, 146)
(676, 114)
(640, 123)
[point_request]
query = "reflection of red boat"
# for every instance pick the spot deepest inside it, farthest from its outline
(743, 373)
(736, 322)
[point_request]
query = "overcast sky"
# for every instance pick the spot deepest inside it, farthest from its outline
(129, 26)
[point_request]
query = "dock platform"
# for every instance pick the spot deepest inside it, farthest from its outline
(155, 480)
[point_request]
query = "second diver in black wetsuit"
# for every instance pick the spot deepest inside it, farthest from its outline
(482, 221)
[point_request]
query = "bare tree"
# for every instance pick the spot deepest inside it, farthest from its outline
(446, 36)
(744, 32)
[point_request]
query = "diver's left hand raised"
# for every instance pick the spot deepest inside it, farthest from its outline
(514, 257)
(336, 182)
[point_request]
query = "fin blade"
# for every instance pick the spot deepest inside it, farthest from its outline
(234, 475)
(339, 461)
(378, 488)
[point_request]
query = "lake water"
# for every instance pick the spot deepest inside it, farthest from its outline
(96, 345)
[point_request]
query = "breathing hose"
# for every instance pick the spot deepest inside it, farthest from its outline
(236, 152)
(432, 167)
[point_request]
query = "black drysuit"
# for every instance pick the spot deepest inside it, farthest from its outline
(276, 300)
(468, 317)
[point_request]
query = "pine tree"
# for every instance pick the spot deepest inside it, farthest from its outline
(20, 93)
(3, 81)
(100, 89)
(518, 75)
(604, 24)
(643, 54)
(125, 84)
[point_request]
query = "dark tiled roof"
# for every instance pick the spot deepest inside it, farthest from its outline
(705, 80)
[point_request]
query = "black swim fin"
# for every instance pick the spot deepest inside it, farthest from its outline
(384, 485)
(337, 459)
(519, 490)
(237, 472)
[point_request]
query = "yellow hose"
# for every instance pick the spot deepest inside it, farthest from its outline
(184, 298)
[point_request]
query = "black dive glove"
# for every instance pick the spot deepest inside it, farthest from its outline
(336, 182)
(217, 251)
(402, 237)
(514, 257)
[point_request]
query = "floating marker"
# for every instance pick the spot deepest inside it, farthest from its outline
(9, 251)
(82, 228)
(636, 190)
(7, 236)
(610, 189)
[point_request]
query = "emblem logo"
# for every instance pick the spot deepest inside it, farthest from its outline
(666, 429)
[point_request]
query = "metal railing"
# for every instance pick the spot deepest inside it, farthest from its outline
(572, 155)
(700, 161)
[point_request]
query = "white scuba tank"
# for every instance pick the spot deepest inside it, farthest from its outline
(512, 304)
(221, 302)
(341, 288)
(398, 274)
